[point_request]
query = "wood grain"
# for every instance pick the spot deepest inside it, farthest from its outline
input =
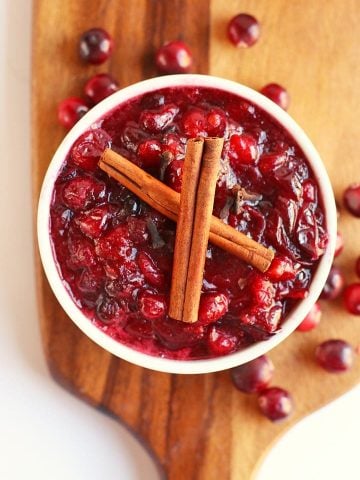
(200, 427)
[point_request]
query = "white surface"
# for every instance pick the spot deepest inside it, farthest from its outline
(46, 434)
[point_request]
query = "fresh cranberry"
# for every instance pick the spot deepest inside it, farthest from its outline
(352, 199)
(262, 291)
(149, 269)
(115, 244)
(243, 149)
(221, 341)
(254, 376)
(311, 320)
(335, 356)
(243, 30)
(213, 306)
(88, 148)
(216, 122)
(334, 284)
(281, 269)
(339, 244)
(194, 122)
(93, 222)
(96, 46)
(155, 121)
(275, 403)
(357, 267)
(174, 57)
(277, 94)
(352, 298)
(71, 110)
(152, 305)
(82, 192)
(149, 152)
(173, 175)
(99, 87)
(109, 311)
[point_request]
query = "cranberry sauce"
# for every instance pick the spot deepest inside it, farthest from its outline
(114, 252)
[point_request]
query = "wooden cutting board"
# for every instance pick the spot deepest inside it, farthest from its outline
(200, 427)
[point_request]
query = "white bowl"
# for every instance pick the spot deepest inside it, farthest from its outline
(293, 319)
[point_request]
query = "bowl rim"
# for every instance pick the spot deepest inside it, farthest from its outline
(136, 357)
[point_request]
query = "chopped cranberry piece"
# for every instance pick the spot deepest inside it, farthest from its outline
(88, 148)
(173, 175)
(277, 94)
(137, 230)
(221, 341)
(82, 192)
(254, 376)
(115, 244)
(334, 284)
(311, 320)
(352, 298)
(71, 110)
(213, 306)
(171, 142)
(81, 251)
(281, 268)
(262, 291)
(174, 57)
(93, 222)
(270, 162)
(96, 46)
(99, 87)
(335, 356)
(89, 281)
(109, 311)
(243, 30)
(352, 199)
(194, 122)
(152, 305)
(155, 121)
(275, 403)
(243, 149)
(151, 272)
(149, 152)
(339, 244)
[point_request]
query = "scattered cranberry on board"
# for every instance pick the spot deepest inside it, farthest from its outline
(99, 87)
(277, 94)
(174, 57)
(275, 403)
(334, 355)
(254, 376)
(334, 284)
(243, 30)
(352, 199)
(96, 46)
(71, 110)
(352, 298)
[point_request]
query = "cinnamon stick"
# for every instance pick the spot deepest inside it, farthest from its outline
(185, 225)
(202, 221)
(165, 200)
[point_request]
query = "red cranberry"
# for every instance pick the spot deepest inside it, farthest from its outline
(352, 298)
(270, 162)
(221, 341)
(174, 335)
(115, 244)
(262, 291)
(93, 222)
(149, 152)
(275, 403)
(155, 121)
(277, 94)
(173, 175)
(212, 307)
(216, 122)
(194, 122)
(339, 244)
(87, 149)
(243, 149)
(81, 250)
(149, 269)
(139, 326)
(311, 320)
(357, 267)
(281, 269)
(89, 281)
(352, 199)
(174, 57)
(335, 355)
(100, 86)
(96, 46)
(71, 110)
(334, 284)
(254, 376)
(152, 305)
(82, 192)
(243, 30)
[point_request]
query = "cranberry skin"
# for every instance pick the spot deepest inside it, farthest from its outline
(352, 199)
(150, 270)
(173, 175)
(152, 306)
(99, 87)
(352, 298)
(339, 244)
(109, 311)
(220, 341)
(357, 267)
(96, 46)
(243, 149)
(254, 376)
(281, 269)
(275, 403)
(155, 121)
(149, 152)
(115, 244)
(243, 30)
(334, 284)
(213, 306)
(335, 356)
(88, 148)
(194, 123)
(311, 320)
(71, 110)
(82, 192)
(174, 57)
(93, 222)
(277, 94)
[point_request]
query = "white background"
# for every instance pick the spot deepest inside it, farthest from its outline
(45, 433)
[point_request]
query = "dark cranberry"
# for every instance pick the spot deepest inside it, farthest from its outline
(152, 305)
(339, 244)
(82, 192)
(277, 94)
(335, 356)
(88, 148)
(96, 46)
(149, 152)
(139, 327)
(213, 306)
(115, 244)
(352, 298)
(221, 341)
(93, 222)
(81, 252)
(243, 149)
(71, 110)
(334, 284)
(138, 231)
(174, 335)
(311, 320)
(149, 269)
(194, 122)
(99, 87)
(109, 311)
(174, 57)
(352, 199)
(281, 268)
(254, 376)
(275, 403)
(357, 267)
(243, 30)
(89, 281)
(173, 175)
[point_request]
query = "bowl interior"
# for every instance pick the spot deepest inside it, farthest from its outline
(169, 365)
